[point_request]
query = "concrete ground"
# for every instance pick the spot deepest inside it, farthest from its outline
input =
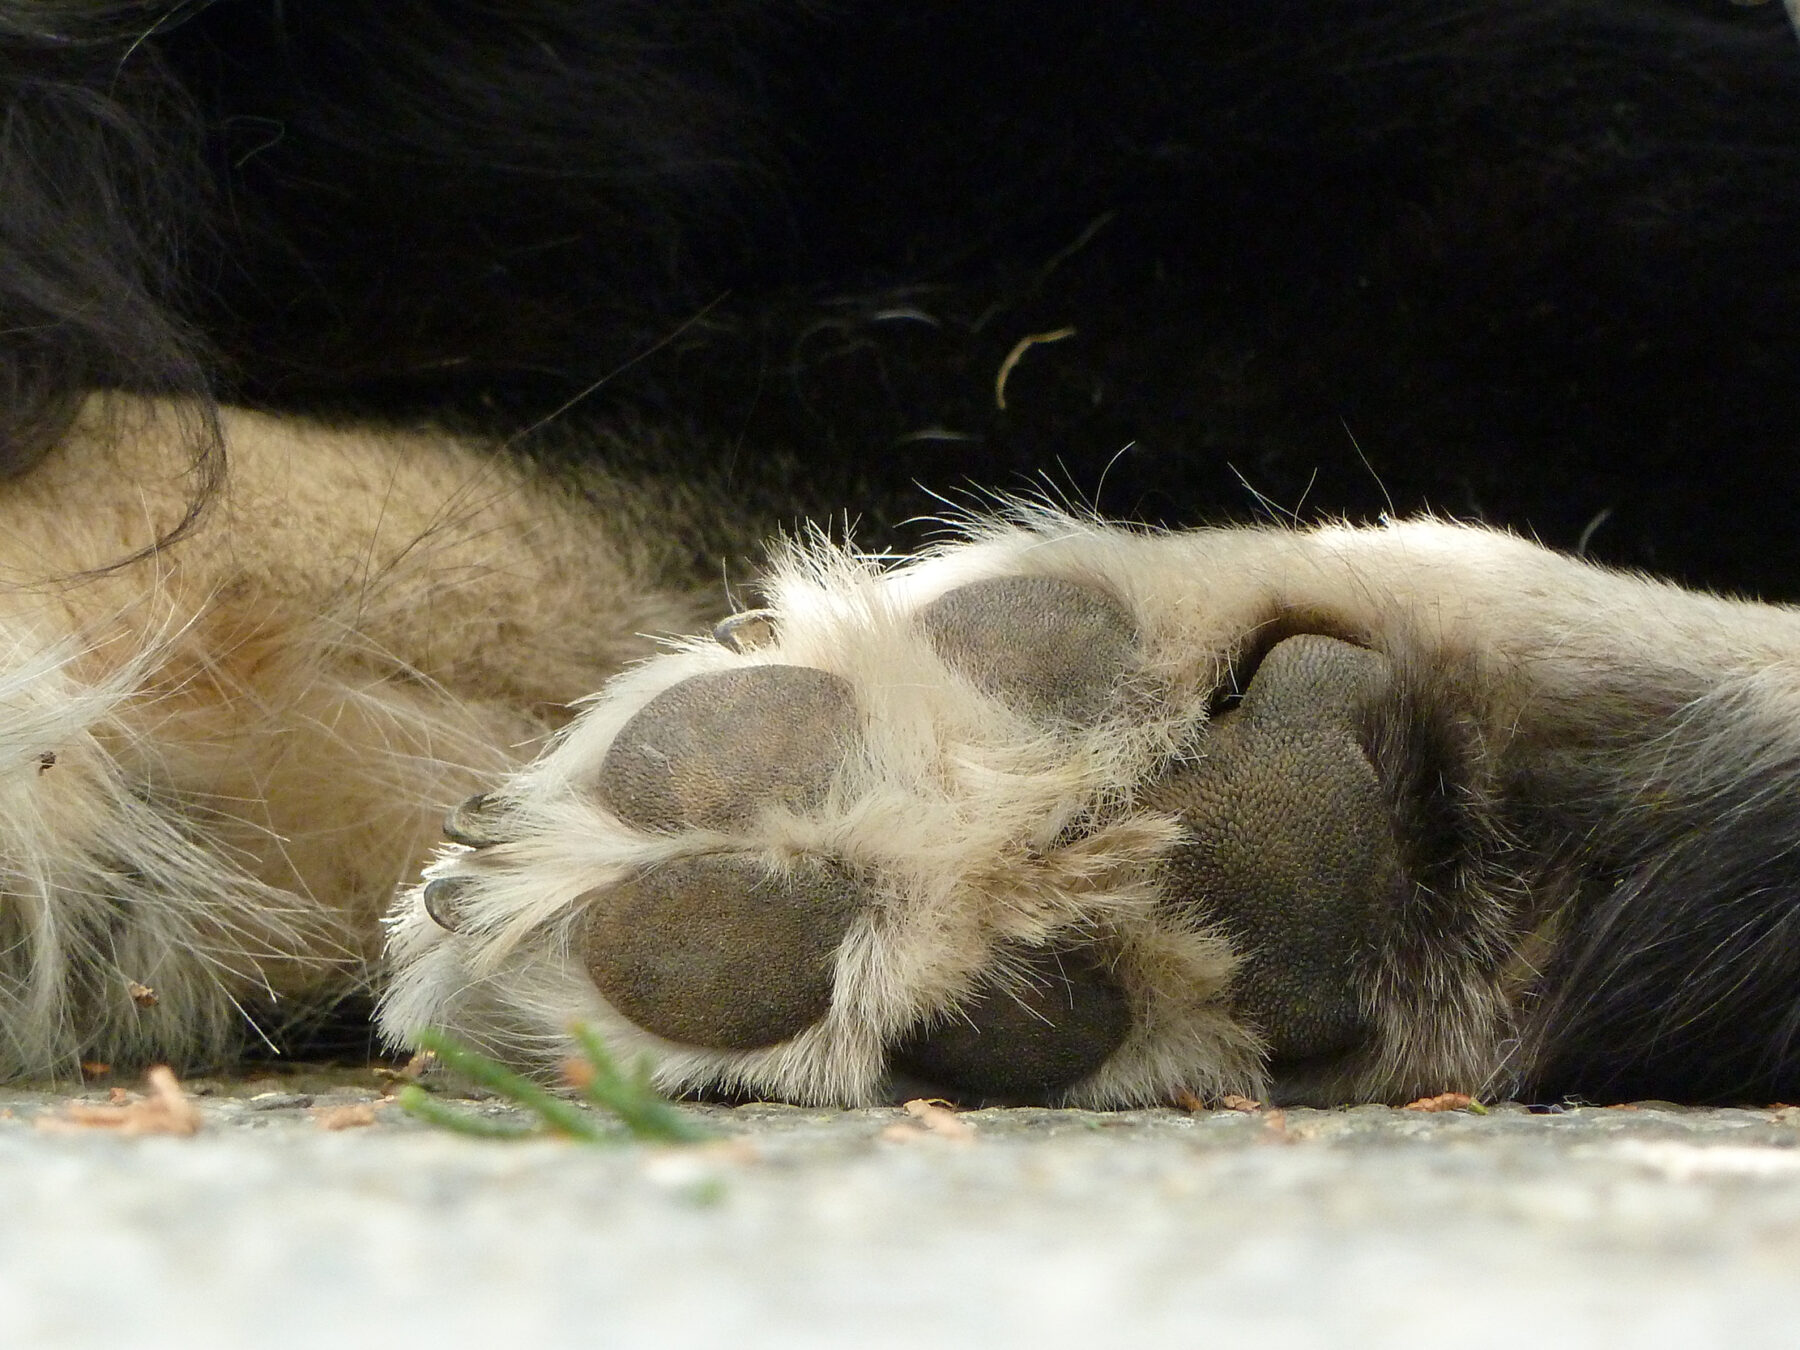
(310, 1212)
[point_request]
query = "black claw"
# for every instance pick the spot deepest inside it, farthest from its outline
(441, 897)
(747, 631)
(464, 824)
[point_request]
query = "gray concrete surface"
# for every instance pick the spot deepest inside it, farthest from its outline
(1651, 1226)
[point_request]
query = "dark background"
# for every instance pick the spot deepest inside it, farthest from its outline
(1536, 264)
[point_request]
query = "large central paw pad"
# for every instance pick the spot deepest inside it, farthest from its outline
(1290, 841)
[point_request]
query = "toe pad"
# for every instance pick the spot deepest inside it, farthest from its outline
(1049, 647)
(717, 750)
(719, 951)
(1029, 1039)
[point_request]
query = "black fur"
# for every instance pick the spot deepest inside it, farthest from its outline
(102, 192)
(1677, 973)
(1536, 258)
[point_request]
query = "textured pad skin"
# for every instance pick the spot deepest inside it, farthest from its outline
(1291, 847)
(715, 751)
(719, 951)
(1048, 647)
(1026, 1041)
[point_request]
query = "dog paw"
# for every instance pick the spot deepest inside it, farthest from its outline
(1039, 817)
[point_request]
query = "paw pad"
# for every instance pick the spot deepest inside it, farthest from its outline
(720, 951)
(1048, 647)
(1057, 1020)
(717, 750)
(1290, 844)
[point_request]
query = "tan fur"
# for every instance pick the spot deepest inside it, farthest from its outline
(256, 729)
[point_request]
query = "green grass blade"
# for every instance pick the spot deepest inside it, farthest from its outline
(420, 1104)
(644, 1111)
(629, 1097)
(562, 1117)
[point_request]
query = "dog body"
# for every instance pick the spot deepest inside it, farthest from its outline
(1056, 811)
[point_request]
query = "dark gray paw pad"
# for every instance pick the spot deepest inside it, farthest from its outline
(1290, 842)
(1026, 1042)
(719, 951)
(472, 823)
(1049, 647)
(717, 750)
